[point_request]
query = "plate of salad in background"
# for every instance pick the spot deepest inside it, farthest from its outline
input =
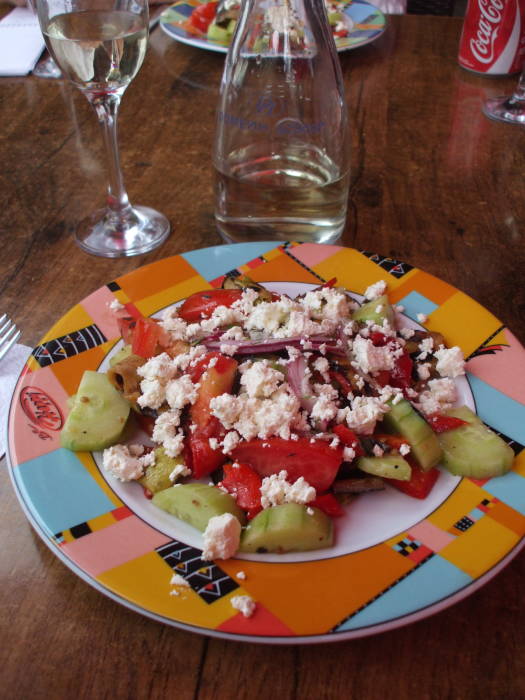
(210, 25)
(361, 419)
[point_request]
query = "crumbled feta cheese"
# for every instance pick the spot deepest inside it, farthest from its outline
(253, 417)
(230, 441)
(378, 451)
(376, 290)
(179, 470)
(322, 366)
(123, 465)
(326, 303)
(422, 318)
(426, 346)
(404, 449)
(181, 391)
(348, 454)
(233, 333)
(176, 327)
(244, 604)
(221, 537)
(326, 403)
(363, 414)
(407, 333)
(276, 490)
(115, 306)
(178, 580)
(261, 380)
(166, 432)
(450, 361)
(369, 358)
(241, 575)
(440, 395)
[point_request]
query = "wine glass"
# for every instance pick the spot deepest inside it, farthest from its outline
(99, 45)
(510, 109)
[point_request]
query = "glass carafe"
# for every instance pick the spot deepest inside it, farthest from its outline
(281, 153)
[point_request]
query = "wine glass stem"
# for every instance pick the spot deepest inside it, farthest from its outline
(107, 106)
(519, 94)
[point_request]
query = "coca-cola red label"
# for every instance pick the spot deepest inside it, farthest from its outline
(493, 36)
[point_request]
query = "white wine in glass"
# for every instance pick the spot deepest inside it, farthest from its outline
(99, 45)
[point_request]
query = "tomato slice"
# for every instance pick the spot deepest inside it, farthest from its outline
(202, 304)
(421, 483)
(244, 483)
(147, 334)
(441, 424)
(329, 504)
(204, 458)
(349, 439)
(221, 365)
(202, 16)
(313, 459)
(126, 326)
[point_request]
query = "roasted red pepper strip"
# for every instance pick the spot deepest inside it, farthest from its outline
(401, 375)
(420, 484)
(244, 483)
(349, 439)
(441, 424)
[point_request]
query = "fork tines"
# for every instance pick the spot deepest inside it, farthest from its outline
(9, 334)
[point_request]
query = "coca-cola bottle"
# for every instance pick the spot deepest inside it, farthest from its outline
(493, 37)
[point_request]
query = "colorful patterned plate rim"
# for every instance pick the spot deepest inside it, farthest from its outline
(407, 568)
(369, 24)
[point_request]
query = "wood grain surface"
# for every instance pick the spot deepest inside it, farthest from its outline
(434, 183)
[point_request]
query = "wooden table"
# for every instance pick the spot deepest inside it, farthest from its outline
(434, 183)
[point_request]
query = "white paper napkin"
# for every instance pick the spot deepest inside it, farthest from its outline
(21, 42)
(10, 368)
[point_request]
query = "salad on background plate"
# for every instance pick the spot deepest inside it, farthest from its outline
(322, 423)
(210, 25)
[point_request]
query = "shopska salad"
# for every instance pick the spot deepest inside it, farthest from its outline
(217, 20)
(268, 414)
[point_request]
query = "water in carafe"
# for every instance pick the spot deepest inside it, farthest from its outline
(281, 153)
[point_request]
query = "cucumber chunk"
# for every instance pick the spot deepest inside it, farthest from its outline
(197, 503)
(368, 312)
(287, 528)
(157, 476)
(474, 450)
(98, 415)
(403, 420)
(390, 466)
(120, 355)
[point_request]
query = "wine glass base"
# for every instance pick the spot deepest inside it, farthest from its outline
(505, 109)
(47, 69)
(139, 231)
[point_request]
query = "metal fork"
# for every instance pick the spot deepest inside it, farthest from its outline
(8, 335)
